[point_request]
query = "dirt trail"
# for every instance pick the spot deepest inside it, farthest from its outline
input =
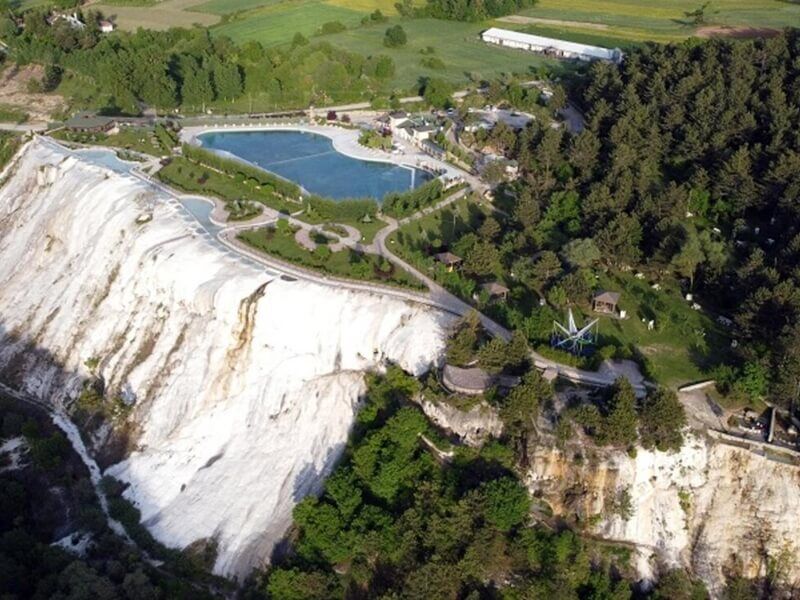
(735, 32)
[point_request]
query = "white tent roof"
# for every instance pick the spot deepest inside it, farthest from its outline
(538, 40)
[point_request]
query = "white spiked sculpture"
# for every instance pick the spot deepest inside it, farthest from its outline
(572, 339)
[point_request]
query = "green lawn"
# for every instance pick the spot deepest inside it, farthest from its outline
(193, 178)
(278, 23)
(684, 342)
(136, 139)
(346, 263)
(368, 230)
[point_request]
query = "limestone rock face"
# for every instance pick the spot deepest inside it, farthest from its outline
(710, 507)
(243, 384)
(473, 426)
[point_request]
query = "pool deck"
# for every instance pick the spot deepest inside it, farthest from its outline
(345, 141)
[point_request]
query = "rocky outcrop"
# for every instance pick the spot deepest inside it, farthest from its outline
(243, 384)
(712, 507)
(473, 426)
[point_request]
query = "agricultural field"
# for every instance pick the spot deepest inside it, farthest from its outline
(159, 16)
(227, 7)
(638, 21)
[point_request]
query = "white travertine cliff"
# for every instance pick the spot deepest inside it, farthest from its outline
(244, 384)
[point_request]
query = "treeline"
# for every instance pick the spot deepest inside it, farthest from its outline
(189, 69)
(399, 204)
(463, 10)
(348, 210)
(396, 521)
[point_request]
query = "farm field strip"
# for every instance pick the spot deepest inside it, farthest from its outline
(170, 13)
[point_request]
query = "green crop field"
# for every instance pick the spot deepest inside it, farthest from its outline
(278, 23)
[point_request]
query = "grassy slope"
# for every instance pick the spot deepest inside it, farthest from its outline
(457, 44)
(684, 343)
(226, 7)
(163, 15)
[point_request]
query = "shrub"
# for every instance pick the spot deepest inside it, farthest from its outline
(432, 62)
(395, 37)
(332, 27)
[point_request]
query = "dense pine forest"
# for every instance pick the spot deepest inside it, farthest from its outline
(689, 170)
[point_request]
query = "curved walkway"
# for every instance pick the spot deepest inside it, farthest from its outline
(436, 297)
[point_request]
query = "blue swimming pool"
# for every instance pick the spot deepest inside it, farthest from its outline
(311, 161)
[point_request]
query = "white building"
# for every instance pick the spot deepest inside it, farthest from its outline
(549, 46)
(106, 26)
(397, 118)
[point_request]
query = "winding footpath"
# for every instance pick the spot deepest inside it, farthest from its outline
(436, 296)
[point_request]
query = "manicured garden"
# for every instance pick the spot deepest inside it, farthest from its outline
(280, 241)
(191, 177)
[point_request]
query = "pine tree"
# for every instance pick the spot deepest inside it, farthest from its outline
(618, 427)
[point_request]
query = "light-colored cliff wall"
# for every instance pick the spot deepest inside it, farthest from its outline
(711, 507)
(244, 384)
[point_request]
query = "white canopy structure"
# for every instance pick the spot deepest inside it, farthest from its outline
(551, 46)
